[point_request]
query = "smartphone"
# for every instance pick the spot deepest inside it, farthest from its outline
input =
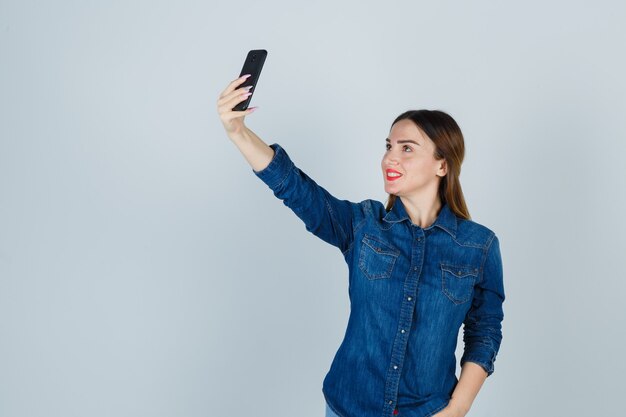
(252, 65)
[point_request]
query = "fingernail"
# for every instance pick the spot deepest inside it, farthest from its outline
(246, 76)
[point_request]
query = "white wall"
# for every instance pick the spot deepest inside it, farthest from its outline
(144, 269)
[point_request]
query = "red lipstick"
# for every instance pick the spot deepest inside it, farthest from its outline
(392, 178)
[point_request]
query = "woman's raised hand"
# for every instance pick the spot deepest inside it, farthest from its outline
(229, 98)
(257, 153)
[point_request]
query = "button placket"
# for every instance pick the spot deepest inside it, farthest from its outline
(399, 351)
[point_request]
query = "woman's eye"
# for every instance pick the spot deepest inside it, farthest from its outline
(387, 146)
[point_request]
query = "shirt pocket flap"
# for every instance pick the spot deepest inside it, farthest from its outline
(379, 246)
(460, 270)
(457, 281)
(377, 258)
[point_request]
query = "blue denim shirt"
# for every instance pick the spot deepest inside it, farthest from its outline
(410, 289)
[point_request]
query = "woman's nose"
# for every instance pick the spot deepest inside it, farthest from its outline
(390, 160)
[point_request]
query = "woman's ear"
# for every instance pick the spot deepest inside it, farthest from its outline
(443, 168)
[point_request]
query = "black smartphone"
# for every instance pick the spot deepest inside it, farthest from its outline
(252, 65)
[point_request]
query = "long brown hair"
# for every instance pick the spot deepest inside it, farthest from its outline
(441, 128)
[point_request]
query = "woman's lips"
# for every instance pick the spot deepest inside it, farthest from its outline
(390, 178)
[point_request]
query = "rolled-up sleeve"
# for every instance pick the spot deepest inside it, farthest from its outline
(482, 329)
(324, 215)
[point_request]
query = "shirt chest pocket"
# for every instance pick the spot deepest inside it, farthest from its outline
(457, 282)
(377, 257)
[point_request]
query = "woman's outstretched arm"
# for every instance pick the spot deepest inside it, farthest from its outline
(327, 217)
(257, 153)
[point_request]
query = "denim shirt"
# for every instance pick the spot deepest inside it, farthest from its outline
(410, 289)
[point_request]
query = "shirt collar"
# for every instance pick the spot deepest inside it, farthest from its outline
(446, 219)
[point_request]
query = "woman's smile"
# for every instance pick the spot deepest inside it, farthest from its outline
(392, 175)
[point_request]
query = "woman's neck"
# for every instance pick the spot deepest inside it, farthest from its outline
(422, 212)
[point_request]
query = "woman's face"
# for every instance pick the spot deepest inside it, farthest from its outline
(410, 153)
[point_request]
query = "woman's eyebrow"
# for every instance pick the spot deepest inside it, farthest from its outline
(404, 141)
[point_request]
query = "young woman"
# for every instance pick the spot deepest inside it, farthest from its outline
(419, 269)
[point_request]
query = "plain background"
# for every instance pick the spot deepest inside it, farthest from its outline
(145, 270)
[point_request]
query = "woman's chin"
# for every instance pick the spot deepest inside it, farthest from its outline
(390, 189)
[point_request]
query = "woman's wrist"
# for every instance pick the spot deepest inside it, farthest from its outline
(242, 134)
(258, 153)
(460, 409)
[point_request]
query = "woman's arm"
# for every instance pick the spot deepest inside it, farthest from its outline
(257, 153)
(482, 328)
(466, 390)
(482, 334)
(329, 218)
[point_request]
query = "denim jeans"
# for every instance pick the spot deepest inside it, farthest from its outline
(329, 412)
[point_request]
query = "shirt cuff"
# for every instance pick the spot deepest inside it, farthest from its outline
(278, 168)
(487, 365)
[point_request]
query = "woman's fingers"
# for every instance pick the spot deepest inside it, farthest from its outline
(225, 108)
(227, 114)
(234, 84)
(226, 117)
(229, 98)
(234, 97)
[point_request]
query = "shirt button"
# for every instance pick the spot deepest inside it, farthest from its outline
(402, 331)
(395, 367)
(415, 269)
(390, 401)
(409, 298)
